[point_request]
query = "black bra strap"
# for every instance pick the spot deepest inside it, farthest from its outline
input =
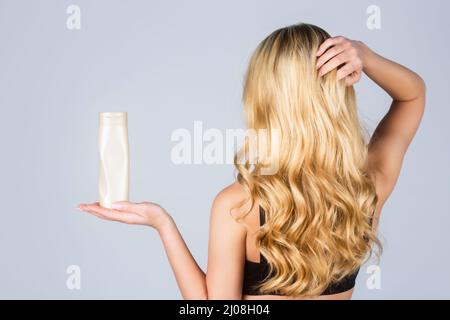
(262, 221)
(262, 216)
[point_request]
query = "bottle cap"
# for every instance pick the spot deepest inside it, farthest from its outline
(112, 118)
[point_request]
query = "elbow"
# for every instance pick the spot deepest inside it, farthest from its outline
(421, 87)
(416, 89)
(200, 296)
(195, 294)
(203, 295)
(197, 297)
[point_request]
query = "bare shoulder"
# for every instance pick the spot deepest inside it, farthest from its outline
(231, 195)
(228, 202)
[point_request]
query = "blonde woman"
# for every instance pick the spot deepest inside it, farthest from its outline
(303, 231)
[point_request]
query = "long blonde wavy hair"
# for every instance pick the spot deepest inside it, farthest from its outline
(320, 201)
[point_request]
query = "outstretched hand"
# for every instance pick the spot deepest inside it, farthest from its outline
(344, 54)
(144, 213)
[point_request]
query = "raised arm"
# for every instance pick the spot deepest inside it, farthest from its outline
(396, 130)
(226, 252)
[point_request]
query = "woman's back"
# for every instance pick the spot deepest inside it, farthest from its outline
(255, 265)
(319, 199)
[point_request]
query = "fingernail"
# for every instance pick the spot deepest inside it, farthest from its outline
(78, 208)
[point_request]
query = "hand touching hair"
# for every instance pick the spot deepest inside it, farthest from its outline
(342, 54)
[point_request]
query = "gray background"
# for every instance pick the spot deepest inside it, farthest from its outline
(169, 63)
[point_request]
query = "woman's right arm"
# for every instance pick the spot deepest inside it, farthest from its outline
(396, 130)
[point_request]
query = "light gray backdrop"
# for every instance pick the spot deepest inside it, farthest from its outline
(169, 63)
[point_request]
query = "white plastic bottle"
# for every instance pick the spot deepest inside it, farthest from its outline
(113, 184)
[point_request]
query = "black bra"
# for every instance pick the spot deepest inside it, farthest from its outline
(255, 272)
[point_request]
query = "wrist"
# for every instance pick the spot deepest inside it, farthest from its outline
(365, 54)
(165, 222)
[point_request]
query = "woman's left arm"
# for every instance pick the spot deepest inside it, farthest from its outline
(226, 250)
